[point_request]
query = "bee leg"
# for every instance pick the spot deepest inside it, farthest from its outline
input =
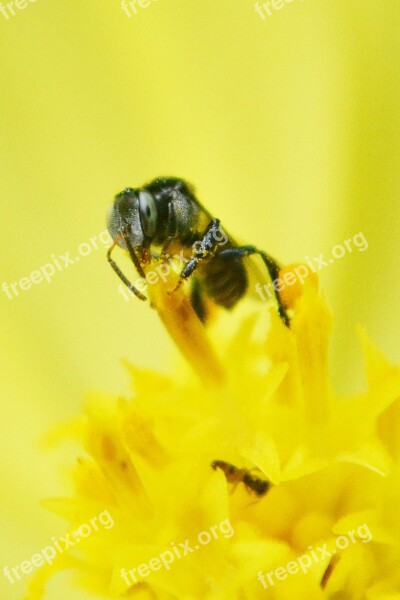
(233, 488)
(120, 274)
(197, 301)
(132, 254)
(270, 263)
(207, 246)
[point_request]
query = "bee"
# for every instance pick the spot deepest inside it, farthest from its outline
(165, 216)
(235, 475)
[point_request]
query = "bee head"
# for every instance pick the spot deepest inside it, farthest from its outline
(133, 215)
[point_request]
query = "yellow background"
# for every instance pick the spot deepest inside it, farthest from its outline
(289, 129)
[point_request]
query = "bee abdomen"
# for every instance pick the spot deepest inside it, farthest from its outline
(225, 280)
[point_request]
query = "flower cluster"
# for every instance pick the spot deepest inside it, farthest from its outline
(262, 401)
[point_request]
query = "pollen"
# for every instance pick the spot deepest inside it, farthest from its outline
(294, 278)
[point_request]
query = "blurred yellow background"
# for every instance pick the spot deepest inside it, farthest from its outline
(289, 128)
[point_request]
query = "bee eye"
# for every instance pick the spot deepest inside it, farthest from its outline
(147, 213)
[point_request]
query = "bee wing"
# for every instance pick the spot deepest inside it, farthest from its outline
(257, 271)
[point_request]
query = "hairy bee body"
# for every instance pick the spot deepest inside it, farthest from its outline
(224, 281)
(165, 216)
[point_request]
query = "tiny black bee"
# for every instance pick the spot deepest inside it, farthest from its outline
(235, 475)
(165, 216)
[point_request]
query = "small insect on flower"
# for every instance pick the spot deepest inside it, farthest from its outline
(164, 219)
(235, 475)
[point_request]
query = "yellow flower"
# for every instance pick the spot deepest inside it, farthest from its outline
(261, 400)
